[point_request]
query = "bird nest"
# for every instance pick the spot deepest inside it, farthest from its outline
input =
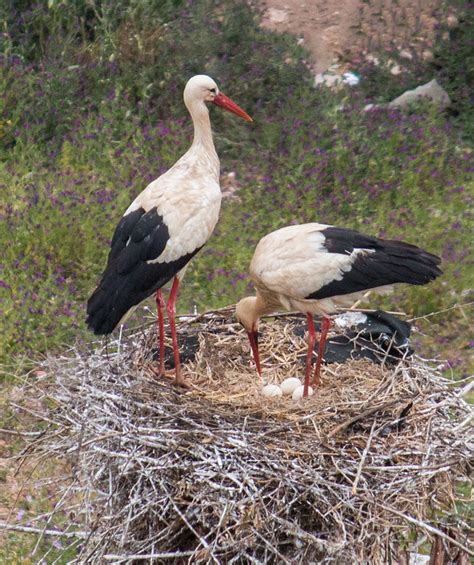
(362, 471)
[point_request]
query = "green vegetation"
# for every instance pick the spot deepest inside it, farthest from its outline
(91, 111)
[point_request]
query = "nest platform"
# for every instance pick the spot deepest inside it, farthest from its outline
(366, 470)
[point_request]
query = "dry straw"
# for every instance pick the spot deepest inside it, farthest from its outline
(365, 469)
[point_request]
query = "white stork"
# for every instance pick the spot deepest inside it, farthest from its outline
(315, 268)
(164, 227)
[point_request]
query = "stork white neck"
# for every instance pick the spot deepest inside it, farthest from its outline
(250, 309)
(202, 147)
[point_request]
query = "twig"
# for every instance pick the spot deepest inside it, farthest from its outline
(372, 311)
(143, 556)
(464, 423)
(197, 318)
(362, 460)
(424, 526)
(431, 314)
(41, 531)
(466, 389)
(17, 433)
(361, 416)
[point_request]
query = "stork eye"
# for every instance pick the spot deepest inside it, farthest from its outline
(213, 90)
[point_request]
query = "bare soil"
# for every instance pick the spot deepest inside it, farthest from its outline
(334, 30)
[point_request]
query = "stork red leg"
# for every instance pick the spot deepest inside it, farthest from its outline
(171, 308)
(326, 324)
(160, 306)
(309, 354)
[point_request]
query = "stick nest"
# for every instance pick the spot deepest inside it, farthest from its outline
(218, 473)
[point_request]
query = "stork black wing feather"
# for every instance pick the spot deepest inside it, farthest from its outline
(386, 262)
(130, 277)
(342, 240)
(123, 231)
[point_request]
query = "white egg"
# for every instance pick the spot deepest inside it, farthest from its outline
(271, 391)
(289, 385)
(298, 392)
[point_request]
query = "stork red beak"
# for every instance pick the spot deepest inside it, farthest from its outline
(253, 338)
(224, 102)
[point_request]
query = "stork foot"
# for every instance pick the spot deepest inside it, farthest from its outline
(160, 371)
(181, 381)
(178, 380)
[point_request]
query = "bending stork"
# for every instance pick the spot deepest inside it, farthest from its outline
(315, 268)
(164, 227)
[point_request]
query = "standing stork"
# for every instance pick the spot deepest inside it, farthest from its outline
(315, 268)
(164, 227)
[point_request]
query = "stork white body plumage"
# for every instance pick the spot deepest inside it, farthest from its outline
(316, 268)
(293, 263)
(188, 198)
(165, 226)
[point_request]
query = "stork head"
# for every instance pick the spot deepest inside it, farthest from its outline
(247, 314)
(201, 88)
